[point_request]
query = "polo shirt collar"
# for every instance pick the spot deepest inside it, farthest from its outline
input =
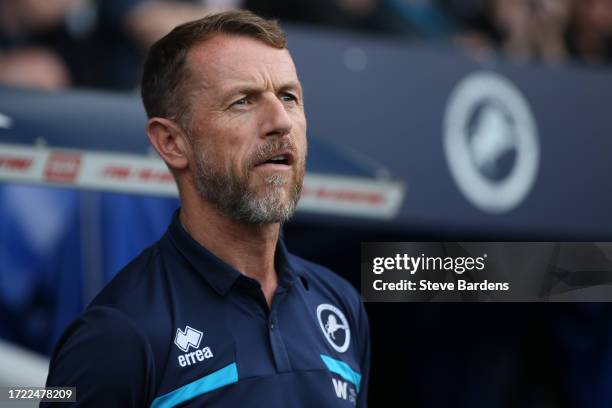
(215, 271)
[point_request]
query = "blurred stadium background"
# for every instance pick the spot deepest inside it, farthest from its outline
(428, 120)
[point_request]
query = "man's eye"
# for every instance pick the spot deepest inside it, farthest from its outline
(287, 97)
(241, 101)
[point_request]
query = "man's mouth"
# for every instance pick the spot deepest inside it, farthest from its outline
(277, 161)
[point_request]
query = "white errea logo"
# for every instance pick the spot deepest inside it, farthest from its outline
(187, 338)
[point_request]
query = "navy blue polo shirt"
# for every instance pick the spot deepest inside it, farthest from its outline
(179, 327)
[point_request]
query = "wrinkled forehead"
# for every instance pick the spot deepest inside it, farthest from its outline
(224, 60)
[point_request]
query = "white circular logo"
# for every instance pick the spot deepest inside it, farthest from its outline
(491, 142)
(335, 327)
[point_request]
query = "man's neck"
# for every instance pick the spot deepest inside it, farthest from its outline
(248, 248)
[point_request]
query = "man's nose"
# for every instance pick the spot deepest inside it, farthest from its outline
(275, 120)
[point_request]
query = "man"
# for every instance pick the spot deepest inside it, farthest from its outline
(218, 313)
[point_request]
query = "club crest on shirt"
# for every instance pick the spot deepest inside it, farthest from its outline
(335, 327)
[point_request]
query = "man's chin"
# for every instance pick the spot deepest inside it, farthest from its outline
(269, 181)
(271, 207)
(273, 193)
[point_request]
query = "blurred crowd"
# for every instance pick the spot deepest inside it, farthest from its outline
(55, 44)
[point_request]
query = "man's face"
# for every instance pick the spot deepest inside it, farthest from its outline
(248, 129)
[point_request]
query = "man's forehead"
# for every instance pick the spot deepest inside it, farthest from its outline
(239, 58)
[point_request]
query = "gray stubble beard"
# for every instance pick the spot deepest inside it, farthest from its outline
(231, 194)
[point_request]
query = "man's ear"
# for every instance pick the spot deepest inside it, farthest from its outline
(170, 142)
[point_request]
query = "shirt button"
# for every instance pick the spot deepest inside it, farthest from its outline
(271, 326)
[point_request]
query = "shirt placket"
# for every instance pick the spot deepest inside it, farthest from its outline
(277, 344)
